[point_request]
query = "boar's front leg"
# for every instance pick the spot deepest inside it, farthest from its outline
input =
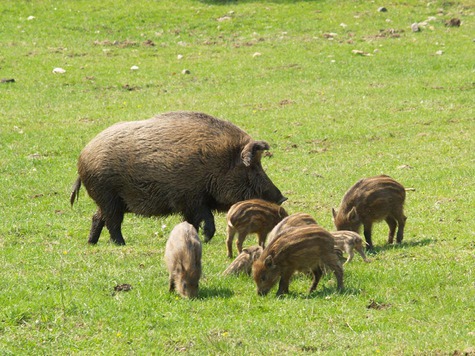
(392, 223)
(367, 234)
(284, 283)
(202, 214)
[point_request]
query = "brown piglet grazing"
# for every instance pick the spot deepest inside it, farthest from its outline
(291, 221)
(371, 200)
(302, 248)
(251, 216)
(243, 262)
(183, 260)
(186, 163)
(347, 241)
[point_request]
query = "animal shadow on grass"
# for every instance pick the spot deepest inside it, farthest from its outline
(207, 293)
(396, 246)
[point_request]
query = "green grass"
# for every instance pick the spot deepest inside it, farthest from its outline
(331, 117)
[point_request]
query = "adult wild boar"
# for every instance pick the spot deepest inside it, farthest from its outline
(183, 260)
(370, 200)
(302, 248)
(179, 162)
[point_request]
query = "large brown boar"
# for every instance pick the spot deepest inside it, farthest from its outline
(179, 162)
(251, 216)
(370, 200)
(301, 248)
(291, 221)
(183, 260)
(347, 241)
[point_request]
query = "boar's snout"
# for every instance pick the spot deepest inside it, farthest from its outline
(190, 290)
(262, 292)
(282, 200)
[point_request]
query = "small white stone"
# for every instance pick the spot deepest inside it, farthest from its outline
(439, 52)
(185, 71)
(257, 54)
(134, 68)
(31, 18)
(59, 71)
(180, 56)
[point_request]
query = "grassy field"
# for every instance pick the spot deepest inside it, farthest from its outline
(339, 89)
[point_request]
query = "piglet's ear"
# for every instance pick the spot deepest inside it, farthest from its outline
(253, 151)
(269, 262)
(353, 215)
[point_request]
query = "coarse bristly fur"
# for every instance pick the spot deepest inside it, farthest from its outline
(302, 248)
(371, 200)
(348, 241)
(291, 221)
(183, 259)
(179, 162)
(244, 261)
(251, 216)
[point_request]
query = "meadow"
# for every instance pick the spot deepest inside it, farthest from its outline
(340, 90)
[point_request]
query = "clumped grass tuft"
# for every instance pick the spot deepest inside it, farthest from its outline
(340, 90)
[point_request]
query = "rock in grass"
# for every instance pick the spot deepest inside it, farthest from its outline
(415, 27)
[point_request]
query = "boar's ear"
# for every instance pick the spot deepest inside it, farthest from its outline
(334, 212)
(269, 262)
(353, 215)
(252, 151)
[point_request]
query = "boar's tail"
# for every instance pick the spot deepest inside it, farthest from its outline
(75, 193)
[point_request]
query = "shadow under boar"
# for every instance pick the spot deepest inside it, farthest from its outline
(302, 249)
(251, 216)
(291, 221)
(347, 241)
(178, 162)
(183, 260)
(371, 200)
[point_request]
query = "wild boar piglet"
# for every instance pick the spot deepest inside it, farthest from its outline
(243, 262)
(347, 241)
(371, 200)
(251, 216)
(183, 260)
(302, 248)
(291, 221)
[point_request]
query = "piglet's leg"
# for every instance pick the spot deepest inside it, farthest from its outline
(317, 275)
(284, 283)
(229, 241)
(367, 234)
(392, 228)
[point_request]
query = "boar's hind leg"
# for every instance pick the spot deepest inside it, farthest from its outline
(400, 229)
(317, 275)
(333, 263)
(96, 227)
(392, 223)
(114, 218)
